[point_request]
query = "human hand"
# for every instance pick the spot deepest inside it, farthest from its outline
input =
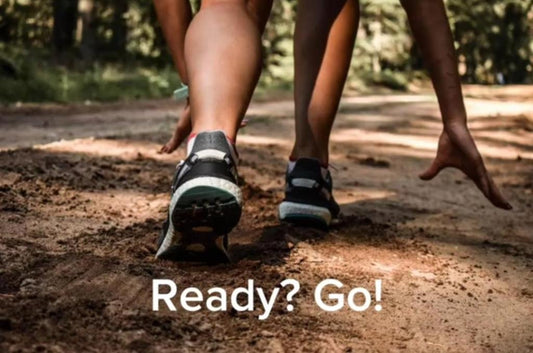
(457, 149)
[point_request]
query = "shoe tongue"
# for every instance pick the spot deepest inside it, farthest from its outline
(216, 140)
(308, 163)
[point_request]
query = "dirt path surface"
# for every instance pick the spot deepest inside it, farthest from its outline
(79, 220)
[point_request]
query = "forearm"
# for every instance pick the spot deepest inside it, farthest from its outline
(431, 29)
(174, 17)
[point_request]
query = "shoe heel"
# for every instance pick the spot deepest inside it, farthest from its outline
(304, 215)
(206, 210)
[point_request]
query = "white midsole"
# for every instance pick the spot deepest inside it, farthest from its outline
(167, 241)
(218, 183)
(287, 208)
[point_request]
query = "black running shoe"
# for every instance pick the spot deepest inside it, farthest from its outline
(308, 196)
(206, 201)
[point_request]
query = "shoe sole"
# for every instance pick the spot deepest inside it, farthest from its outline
(206, 248)
(202, 212)
(304, 215)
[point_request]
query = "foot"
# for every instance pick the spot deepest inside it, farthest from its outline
(206, 201)
(308, 196)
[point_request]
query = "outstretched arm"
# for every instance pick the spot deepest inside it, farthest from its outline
(174, 17)
(457, 148)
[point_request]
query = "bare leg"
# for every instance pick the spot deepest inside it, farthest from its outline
(457, 148)
(260, 12)
(175, 17)
(324, 39)
(223, 55)
(323, 45)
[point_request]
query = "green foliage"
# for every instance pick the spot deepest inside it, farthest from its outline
(278, 45)
(494, 40)
(494, 37)
(383, 45)
(396, 80)
(45, 82)
(26, 22)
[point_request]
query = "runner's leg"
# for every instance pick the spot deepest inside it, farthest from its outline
(223, 55)
(174, 17)
(324, 39)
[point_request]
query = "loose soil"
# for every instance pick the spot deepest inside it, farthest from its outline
(83, 194)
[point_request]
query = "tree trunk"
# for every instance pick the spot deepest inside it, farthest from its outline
(88, 35)
(120, 28)
(65, 17)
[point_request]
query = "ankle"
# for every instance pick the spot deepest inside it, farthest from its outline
(310, 152)
(231, 143)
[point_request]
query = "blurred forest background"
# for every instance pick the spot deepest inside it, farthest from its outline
(105, 50)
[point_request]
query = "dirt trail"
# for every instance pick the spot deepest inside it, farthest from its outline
(79, 219)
